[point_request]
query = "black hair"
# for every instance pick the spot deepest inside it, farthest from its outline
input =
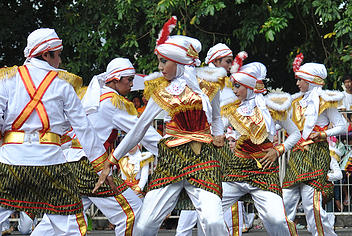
(51, 54)
(346, 77)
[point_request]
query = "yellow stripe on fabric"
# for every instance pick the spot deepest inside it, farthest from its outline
(36, 96)
(98, 164)
(106, 95)
(235, 220)
(81, 224)
(43, 116)
(316, 209)
(127, 209)
(28, 82)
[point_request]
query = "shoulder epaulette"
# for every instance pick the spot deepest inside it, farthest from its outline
(216, 75)
(75, 80)
(81, 92)
(8, 72)
(330, 99)
(229, 108)
(123, 104)
(278, 104)
(151, 85)
(147, 161)
(332, 95)
(278, 101)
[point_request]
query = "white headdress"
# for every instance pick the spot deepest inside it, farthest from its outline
(314, 74)
(40, 41)
(218, 51)
(184, 51)
(251, 76)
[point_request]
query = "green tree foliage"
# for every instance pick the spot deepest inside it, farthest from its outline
(271, 31)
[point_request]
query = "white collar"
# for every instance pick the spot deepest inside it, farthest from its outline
(41, 64)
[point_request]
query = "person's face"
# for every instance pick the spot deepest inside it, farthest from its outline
(224, 62)
(302, 85)
(137, 102)
(348, 85)
(240, 91)
(167, 67)
(232, 143)
(124, 85)
(145, 101)
(54, 60)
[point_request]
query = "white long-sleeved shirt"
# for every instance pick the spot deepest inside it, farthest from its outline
(147, 117)
(60, 101)
(292, 130)
(338, 121)
(109, 117)
(335, 172)
(347, 101)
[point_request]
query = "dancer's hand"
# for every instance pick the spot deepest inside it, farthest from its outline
(219, 140)
(314, 136)
(318, 136)
(268, 160)
(105, 177)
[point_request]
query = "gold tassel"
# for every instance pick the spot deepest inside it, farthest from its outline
(82, 91)
(8, 72)
(75, 80)
(278, 115)
(323, 105)
(152, 85)
(123, 104)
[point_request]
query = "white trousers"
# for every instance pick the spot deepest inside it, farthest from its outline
(63, 225)
(269, 205)
(188, 219)
(159, 203)
(121, 210)
(25, 224)
(317, 218)
(235, 217)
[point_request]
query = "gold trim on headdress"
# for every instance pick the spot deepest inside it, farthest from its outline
(318, 80)
(191, 52)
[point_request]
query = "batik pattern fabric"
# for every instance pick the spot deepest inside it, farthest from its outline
(39, 189)
(86, 178)
(180, 162)
(309, 165)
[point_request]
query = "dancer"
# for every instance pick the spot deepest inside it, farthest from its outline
(254, 166)
(34, 100)
(313, 110)
(135, 169)
(187, 157)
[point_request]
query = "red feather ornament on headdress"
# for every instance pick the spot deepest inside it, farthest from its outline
(166, 30)
(297, 62)
(238, 61)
